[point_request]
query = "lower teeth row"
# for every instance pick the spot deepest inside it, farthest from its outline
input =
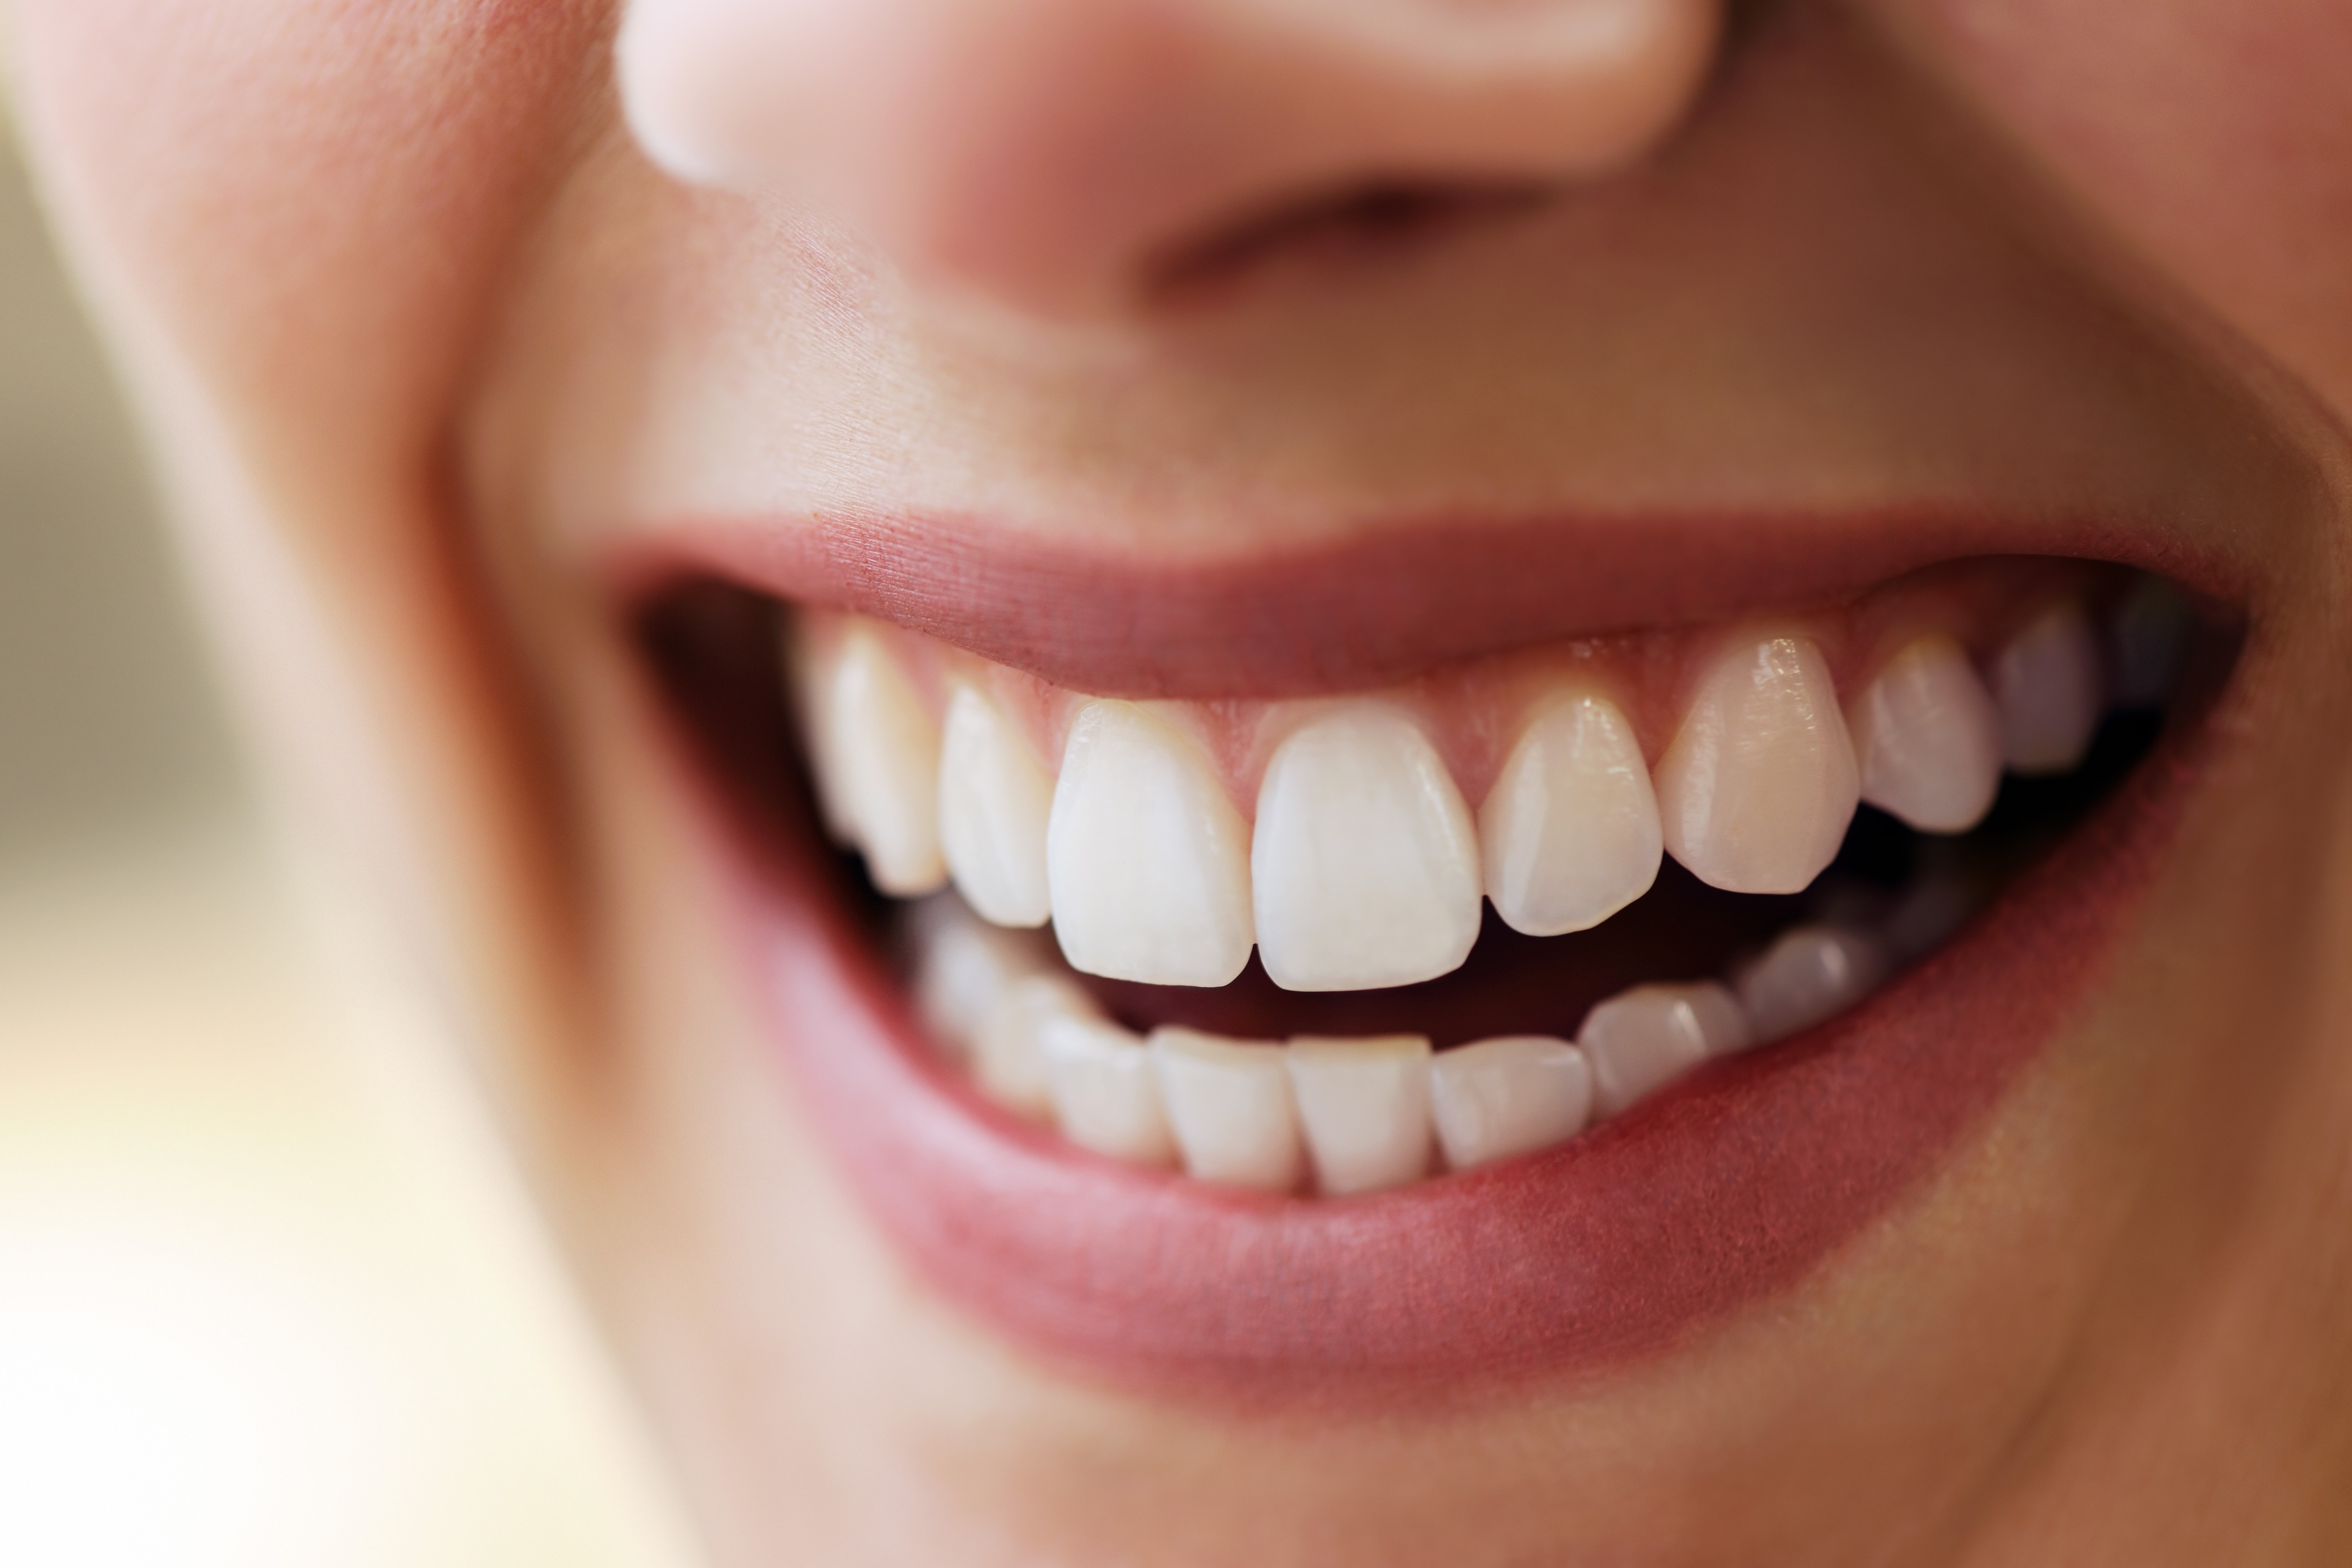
(1357, 1115)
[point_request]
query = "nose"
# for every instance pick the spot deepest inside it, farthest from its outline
(1045, 152)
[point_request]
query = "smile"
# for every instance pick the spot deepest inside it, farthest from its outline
(1502, 995)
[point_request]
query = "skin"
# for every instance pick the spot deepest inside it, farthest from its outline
(418, 331)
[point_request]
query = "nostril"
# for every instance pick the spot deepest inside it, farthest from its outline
(1365, 222)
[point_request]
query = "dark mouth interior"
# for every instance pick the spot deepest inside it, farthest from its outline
(712, 647)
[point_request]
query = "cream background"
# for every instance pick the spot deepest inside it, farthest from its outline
(267, 1295)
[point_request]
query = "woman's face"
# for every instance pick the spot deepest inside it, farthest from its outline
(1265, 475)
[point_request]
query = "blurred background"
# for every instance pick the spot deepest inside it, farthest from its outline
(267, 1295)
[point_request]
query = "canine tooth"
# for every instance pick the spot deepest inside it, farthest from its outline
(1811, 973)
(1570, 832)
(2149, 634)
(1228, 1103)
(1102, 1091)
(1926, 738)
(961, 965)
(1008, 1053)
(2048, 682)
(1364, 860)
(1145, 860)
(882, 753)
(1757, 785)
(1641, 1038)
(1506, 1095)
(994, 801)
(1364, 1106)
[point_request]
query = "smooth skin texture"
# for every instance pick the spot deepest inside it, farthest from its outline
(419, 330)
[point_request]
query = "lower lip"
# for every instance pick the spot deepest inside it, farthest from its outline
(1720, 1193)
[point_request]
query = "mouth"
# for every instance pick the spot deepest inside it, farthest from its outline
(1382, 989)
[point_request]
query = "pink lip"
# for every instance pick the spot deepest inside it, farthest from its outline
(1715, 1194)
(1385, 602)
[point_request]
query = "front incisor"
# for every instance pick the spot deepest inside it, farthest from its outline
(1364, 863)
(1147, 862)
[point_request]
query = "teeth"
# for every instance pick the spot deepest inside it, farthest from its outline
(1758, 785)
(1008, 1050)
(994, 801)
(1571, 830)
(1927, 739)
(1504, 1097)
(1364, 861)
(1365, 869)
(1146, 859)
(2048, 682)
(1364, 1104)
(1228, 1103)
(1810, 974)
(808, 671)
(877, 763)
(1641, 1038)
(964, 966)
(1102, 1091)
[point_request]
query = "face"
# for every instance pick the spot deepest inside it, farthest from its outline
(1277, 781)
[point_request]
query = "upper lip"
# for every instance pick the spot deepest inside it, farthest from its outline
(1385, 602)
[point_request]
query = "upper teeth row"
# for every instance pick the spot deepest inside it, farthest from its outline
(1366, 865)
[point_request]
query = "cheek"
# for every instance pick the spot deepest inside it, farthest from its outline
(2213, 136)
(297, 216)
(308, 197)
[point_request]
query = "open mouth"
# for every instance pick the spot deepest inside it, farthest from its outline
(1514, 1015)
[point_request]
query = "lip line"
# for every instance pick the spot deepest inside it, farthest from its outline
(1761, 1166)
(1389, 601)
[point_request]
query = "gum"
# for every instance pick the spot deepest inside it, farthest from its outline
(1474, 710)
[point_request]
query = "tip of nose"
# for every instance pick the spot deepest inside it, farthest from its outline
(1136, 156)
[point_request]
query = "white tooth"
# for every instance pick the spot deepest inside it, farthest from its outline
(1364, 860)
(2151, 633)
(1507, 1095)
(884, 755)
(1811, 973)
(961, 965)
(1641, 1038)
(1926, 738)
(1228, 1103)
(809, 671)
(1146, 857)
(1757, 788)
(1364, 1106)
(2048, 681)
(1008, 1053)
(1104, 1095)
(994, 801)
(1570, 832)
